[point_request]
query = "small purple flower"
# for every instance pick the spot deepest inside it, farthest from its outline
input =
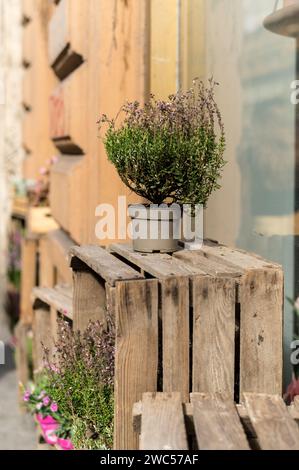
(54, 368)
(54, 407)
(26, 396)
(46, 401)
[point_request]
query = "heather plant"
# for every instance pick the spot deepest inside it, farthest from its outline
(169, 151)
(81, 377)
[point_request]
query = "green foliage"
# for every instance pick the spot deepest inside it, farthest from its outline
(170, 150)
(38, 399)
(81, 381)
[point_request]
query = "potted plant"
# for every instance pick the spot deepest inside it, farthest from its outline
(54, 427)
(170, 153)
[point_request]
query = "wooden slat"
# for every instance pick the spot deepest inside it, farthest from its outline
(89, 301)
(68, 113)
(42, 335)
(21, 333)
(68, 41)
(40, 220)
(217, 423)
(176, 342)
(136, 360)
(60, 298)
(155, 264)
(275, 428)
(162, 426)
(110, 301)
(207, 265)
(58, 31)
(213, 335)
(28, 280)
(66, 176)
(261, 332)
(54, 259)
(103, 263)
(233, 257)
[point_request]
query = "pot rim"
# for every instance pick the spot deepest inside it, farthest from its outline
(155, 212)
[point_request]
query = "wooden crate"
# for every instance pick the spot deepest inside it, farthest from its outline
(23, 334)
(68, 42)
(53, 259)
(29, 277)
(48, 304)
(213, 422)
(40, 220)
(204, 321)
(20, 207)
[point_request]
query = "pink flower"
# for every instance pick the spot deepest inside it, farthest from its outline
(43, 170)
(39, 406)
(54, 159)
(54, 407)
(42, 394)
(26, 396)
(54, 368)
(46, 401)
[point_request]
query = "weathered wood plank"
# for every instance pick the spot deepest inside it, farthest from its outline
(54, 259)
(23, 373)
(28, 281)
(162, 425)
(217, 423)
(103, 263)
(233, 257)
(89, 299)
(261, 331)
(66, 176)
(176, 342)
(156, 264)
(42, 335)
(68, 113)
(40, 220)
(208, 265)
(60, 298)
(275, 428)
(67, 36)
(213, 335)
(136, 360)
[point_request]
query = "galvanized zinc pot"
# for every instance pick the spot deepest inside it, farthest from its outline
(155, 229)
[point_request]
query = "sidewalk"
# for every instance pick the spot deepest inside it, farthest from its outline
(16, 430)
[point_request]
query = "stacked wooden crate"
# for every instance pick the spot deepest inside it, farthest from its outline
(204, 321)
(213, 422)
